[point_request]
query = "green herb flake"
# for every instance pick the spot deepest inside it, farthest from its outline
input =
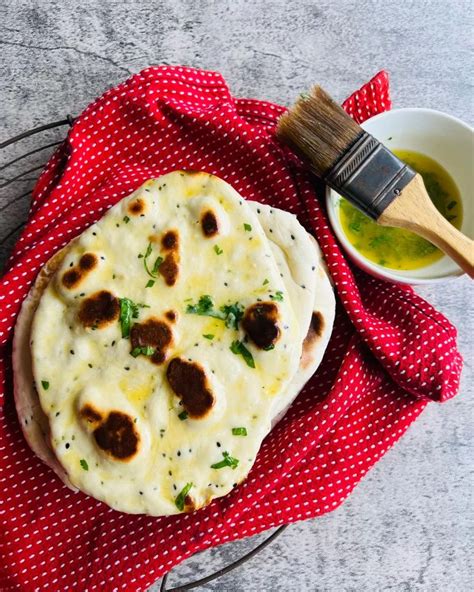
(218, 250)
(209, 336)
(84, 464)
(277, 296)
(238, 348)
(451, 205)
(228, 461)
(156, 265)
(150, 284)
(239, 431)
(183, 415)
(247, 227)
(128, 311)
(233, 314)
(265, 282)
(180, 498)
(126, 219)
(45, 384)
(142, 351)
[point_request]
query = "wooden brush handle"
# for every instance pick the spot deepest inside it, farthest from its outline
(414, 210)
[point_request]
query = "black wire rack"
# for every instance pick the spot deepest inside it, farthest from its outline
(31, 149)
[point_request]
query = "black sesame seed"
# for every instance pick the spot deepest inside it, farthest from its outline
(57, 413)
(179, 453)
(292, 237)
(218, 444)
(90, 365)
(113, 342)
(71, 264)
(258, 210)
(71, 351)
(102, 257)
(94, 233)
(127, 368)
(140, 492)
(174, 487)
(170, 473)
(67, 445)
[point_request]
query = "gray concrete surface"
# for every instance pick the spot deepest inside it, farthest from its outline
(408, 526)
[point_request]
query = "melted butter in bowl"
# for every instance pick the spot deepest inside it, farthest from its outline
(397, 248)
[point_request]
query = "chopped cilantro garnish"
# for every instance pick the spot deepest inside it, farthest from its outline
(218, 250)
(239, 431)
(84, 464)
(159, 260)
(228, 461)
(156, 265)
(142, 351)
(266, 281)
(238, 348)
(204, 307)
(209, 336)
(355, 226)
(247, 227)
(128, 311)
(180, 498)
(45, 384)
(231, 314)
(126, 219)
(183, 415)
(277, 296)
(150, 284)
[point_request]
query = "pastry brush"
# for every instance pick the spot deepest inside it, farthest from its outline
(365, 172)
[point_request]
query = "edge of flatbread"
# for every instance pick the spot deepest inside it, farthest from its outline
(33, 420)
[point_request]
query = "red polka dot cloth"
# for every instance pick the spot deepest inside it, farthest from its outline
(389, 355)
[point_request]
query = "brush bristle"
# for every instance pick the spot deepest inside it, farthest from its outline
(318, 129)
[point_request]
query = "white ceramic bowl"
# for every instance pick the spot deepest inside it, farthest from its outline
(442, 137)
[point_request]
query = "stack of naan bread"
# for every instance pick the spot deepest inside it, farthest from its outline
(156, 351)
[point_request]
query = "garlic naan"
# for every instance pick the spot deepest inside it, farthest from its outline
(161, 346)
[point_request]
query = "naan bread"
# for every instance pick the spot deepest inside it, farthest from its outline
(299, 262)
(135, 430)
(33, 420)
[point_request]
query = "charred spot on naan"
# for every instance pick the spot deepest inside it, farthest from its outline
(189, 382)
(117, 436)
(315, 331)
(99, 310)
(260, 323)
(171, 315)
(189, 504)
(209, 224)
(170, 240)
(74, 276)
(169, 269)
(152, 333)
(136, 207)
(88, 261)
(90, 414)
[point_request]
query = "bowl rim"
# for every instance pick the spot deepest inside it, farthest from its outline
(363, 262)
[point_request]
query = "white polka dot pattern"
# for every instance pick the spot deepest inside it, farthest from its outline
(390, 352)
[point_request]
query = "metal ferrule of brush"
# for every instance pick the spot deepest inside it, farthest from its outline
(369, 175)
